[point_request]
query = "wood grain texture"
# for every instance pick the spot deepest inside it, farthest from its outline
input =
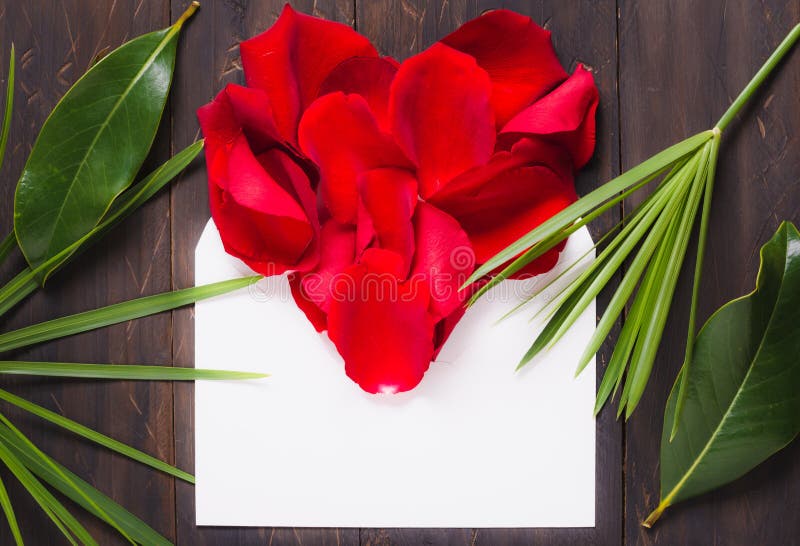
(681, 64)
(56, 42)
(674, 67)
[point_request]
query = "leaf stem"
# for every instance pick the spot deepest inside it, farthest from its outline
(764, 72)
(654, 515)
(186, 14)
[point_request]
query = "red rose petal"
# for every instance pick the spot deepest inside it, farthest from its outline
(253, 112)
(443, 260)
(339, 133)
(259, 220)
(316, 316)
(337, 253)
(440, 114)
(259, 189)
(389, 197)
(235, 110)
(293, 57)
(517, 54)
(370, 77)
(383, 331)
(566, 116)
(498, 205)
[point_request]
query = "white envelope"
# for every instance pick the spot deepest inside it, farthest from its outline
(474, 445)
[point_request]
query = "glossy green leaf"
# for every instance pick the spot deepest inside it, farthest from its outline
(125, 204)
(114, 314)
(742, 402)
(27, 281)
(93, 144)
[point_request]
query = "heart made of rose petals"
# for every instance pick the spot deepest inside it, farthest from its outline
(378, 186)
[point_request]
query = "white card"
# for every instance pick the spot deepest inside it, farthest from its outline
(474, 445)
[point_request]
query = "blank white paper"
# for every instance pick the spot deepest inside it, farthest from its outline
(474, 445)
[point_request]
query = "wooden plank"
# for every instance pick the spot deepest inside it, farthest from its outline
(55, 44)
(208, 59)
(681, 64)
(583, 32)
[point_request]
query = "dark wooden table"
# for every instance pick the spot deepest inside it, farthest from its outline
(665, 70)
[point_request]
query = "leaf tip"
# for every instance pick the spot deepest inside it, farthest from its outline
(672, 433)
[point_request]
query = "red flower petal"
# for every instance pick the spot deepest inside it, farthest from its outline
(259, 219)
(383, 331)
(337, 253)
(517, 54)
(389, 197)
(440, 114)
(293, 57)
(370, 77)
(443, 259)
(339, 133)
(316, 316)
(235, 110)
(566, 116)
(499, 203)
(259, 190)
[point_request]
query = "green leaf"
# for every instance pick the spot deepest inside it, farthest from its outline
(673, 250)
(27, 281)
(56, 511)
(8, 510)
(120, 312)
(23, 440)
(642, 173)
(698, 272)
(742, 401)
(650, 223)
(93, 144)
(127, 203)
(94, 436)
(133, 526)
(8, 109)
(17, 289)
(6, 246)
(128, 372)
(545, 244)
